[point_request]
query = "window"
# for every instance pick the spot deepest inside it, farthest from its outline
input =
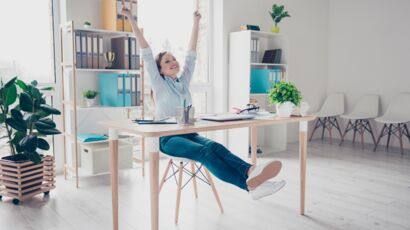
(26, 40)
(167, 30)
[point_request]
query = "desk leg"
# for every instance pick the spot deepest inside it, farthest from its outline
(254, 143)
(114, 175)
(303, 125)
(152, 146)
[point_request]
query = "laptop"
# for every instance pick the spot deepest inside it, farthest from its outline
(228, 117)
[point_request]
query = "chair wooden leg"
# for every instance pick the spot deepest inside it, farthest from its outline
(165, 175)
(194, 179)
(181, 170)
(406, 133)
(314, 129)
(208, 175)
(324, 126)
(354, 131)
(401, 139)
(338, 127)
(345, 132)
(388, 136)
(380, 137)
(329, 129)
(371, 131)
(362, 133)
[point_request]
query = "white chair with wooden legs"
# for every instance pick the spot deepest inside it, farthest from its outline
(333, 107)
(358, 120)
(395, 119)
(190, 168)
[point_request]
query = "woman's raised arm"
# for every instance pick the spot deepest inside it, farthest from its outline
(138, 34)
(194, 34)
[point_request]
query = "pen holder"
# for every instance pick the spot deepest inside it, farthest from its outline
(186, 116)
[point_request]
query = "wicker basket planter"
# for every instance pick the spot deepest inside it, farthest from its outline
(22, 180)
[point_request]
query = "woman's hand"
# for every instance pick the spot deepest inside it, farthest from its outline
(126, 12)
(197, 17)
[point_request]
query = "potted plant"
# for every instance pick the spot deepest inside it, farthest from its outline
(25, 116)
(277, 14)
(87, 25)
(285, 95)
(89, 97)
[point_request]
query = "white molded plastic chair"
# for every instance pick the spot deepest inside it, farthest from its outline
(395, 119)
(194, 173)
(333, 106)
(365, 109)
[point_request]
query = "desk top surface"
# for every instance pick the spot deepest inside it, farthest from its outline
(156, 130)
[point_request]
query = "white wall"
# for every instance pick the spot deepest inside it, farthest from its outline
(307, 31)
(369, 50)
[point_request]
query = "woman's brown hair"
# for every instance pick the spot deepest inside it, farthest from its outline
(158, 59)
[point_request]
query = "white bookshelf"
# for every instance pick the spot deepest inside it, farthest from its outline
(270, 139)
(77, 118)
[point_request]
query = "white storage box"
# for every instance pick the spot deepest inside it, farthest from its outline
(95, 158)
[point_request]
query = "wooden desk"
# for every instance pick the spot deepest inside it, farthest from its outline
(153, 132)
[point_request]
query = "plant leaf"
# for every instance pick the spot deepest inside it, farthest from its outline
(50, 109)
(2, 118)
(26, 103)
(19, 126)
(16, 115)
(22, 85)
(42, 144)
(48, 131)
(43, 125)
(18, 136)
(33, 156)
(29, 143)
(11, 95)
(48, 121)
(10, 82)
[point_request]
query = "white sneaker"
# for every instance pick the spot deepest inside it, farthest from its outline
(266, 189)
(263, 172)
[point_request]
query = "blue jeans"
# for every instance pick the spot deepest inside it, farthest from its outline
(216, 158)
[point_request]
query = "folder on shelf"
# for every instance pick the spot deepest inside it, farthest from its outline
(110, 89)
(120, 47)
(120, 17)
(262, 80)
(101, 60)
(78, 50)
(95, 52)
(83, 50)
(89, 51)
(133, 52)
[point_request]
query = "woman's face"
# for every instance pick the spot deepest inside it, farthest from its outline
(169, 65)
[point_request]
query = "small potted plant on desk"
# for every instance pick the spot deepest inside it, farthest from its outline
(89, 97)
(24, 115)
(286, 96)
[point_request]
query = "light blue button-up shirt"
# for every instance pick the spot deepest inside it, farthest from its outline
(169, 94)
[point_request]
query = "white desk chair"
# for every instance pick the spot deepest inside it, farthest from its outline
(333, 106)
(395, 119)
(194, 173)
(367, 108)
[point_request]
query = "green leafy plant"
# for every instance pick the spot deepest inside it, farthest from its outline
(278, 13)
(87, 23)
(28, 123)
(284, 91)
(90, 94)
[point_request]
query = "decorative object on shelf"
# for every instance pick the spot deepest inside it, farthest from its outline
(87, 25)
(278, 13)
(285, 95)
(89, 97)
(250, 27)
(109, 57)
(26, 172)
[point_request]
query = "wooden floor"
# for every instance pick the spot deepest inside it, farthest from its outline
(347, 188)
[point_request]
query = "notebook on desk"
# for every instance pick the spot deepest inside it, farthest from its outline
(228, 117)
